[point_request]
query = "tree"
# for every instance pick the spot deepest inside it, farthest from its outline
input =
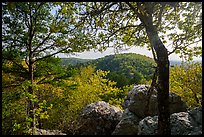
(186, 81)
(149, 24)
(31, 32)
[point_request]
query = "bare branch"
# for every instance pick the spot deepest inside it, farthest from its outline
(48, 47)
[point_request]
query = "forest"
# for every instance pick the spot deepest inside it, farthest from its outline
(62, 91)
(40, 90)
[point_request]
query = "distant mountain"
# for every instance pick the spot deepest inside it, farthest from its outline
(73, 61)
(125, 69)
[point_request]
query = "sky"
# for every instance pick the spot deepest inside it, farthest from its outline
(110, 51)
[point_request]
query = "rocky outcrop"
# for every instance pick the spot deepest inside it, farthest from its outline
(48, 132)
(135, 105)
(99, 118)
(102, 119)
(182, 123)
(137, 99)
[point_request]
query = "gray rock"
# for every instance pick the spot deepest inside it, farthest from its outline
(137, 98)
(99, 118)
(182, 123)
(135, 105)
(127, 125)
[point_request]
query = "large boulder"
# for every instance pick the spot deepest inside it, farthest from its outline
(137, 99)
(99, 118)
(182, 123)
(135, 105)
(127, 125)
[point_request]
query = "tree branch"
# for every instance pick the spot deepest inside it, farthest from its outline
(45, 39)
(99, 11)
(48, 47)
(160, 16)
(50, 55)
(47, 76)
(136, 12)
(150, 90)
(177, 46)
(12, 85)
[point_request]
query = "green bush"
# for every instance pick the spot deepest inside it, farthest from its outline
(186, 81)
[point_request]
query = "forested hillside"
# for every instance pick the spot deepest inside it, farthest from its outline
(125, 69)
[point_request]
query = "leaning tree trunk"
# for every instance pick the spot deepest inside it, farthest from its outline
(163, 91)
(163, 81)
(162, 65)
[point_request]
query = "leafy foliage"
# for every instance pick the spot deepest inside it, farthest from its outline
(178, 24)
(87, 86)
(32, 32)
(59, 96)
(149, 24)
(14, 107)
(34, 24)
(186, 81)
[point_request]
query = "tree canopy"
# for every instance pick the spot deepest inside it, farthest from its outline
(118, 24)
(43, 26)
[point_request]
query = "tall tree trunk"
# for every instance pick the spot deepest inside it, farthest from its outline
(163, 81)
(31, 105)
